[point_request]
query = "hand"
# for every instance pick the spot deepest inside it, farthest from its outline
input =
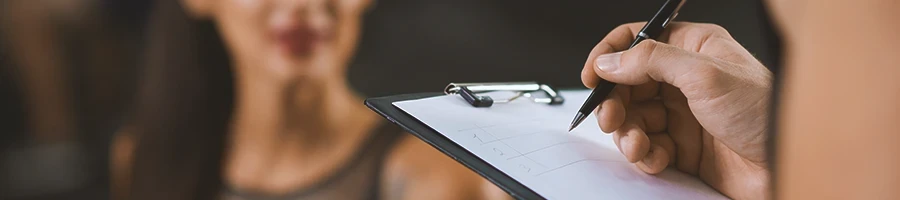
(699, 104)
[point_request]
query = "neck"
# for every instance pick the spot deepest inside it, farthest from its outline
(308, 112)
(278, 126)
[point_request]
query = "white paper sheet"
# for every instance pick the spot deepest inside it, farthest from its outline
(530, 143)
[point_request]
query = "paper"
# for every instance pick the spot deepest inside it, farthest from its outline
(530, 143)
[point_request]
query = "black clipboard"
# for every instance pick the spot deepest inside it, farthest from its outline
(384, 107)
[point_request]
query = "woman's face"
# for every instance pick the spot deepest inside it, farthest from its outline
(285, 39)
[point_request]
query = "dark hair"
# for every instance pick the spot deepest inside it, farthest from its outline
(182, 110)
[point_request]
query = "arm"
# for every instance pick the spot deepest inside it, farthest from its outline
(415, 170)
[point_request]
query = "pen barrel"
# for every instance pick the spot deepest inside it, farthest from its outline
(656, 25)
(652, 29)
(637, 40)
(597, 96)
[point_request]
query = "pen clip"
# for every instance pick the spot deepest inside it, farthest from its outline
(674, 14)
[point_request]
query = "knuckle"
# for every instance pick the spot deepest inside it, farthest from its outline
(714, 29)
(622, 26)
(628, 26)
(704, 32)
(640, 54)
(649, 48)
(588, 77)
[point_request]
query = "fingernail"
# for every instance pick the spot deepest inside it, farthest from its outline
(608, 62)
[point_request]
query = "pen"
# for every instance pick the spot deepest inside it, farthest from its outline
(652, 29)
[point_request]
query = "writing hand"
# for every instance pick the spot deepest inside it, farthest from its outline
(698, 103)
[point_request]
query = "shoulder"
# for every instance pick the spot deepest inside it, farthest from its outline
(415, 170)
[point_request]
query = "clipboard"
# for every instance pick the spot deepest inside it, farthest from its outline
(384, 107)
(520, 148)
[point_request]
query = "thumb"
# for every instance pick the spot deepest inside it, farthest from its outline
(654, 61)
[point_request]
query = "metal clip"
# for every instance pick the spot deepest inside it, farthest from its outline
(469, 92)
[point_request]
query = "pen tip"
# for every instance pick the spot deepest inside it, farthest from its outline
(578, 119)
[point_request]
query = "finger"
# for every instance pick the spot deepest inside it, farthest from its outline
(651, 115)
(646, 91)
(688, 36)
(611, 113)
(664, 140)
(654, 61)
(656, 160)
(632, 140)
(692, 36)
(683, 128)
(619, 39)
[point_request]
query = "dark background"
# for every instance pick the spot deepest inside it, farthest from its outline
(421, 45)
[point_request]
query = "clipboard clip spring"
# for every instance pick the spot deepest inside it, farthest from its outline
(469, 92)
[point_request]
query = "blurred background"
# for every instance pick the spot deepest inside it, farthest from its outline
(69, 69)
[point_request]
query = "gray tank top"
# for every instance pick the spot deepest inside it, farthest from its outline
(359, 178)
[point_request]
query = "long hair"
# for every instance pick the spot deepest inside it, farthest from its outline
(183, 108)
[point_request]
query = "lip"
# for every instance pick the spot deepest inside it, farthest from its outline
(298, 40)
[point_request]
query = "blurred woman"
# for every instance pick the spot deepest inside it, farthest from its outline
(248, 99)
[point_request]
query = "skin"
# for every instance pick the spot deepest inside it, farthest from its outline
(296, 118)
(696, 103)
(841, 101)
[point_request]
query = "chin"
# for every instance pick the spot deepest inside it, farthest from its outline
(314, 65)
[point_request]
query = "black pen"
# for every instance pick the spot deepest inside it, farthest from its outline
(652, 29)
